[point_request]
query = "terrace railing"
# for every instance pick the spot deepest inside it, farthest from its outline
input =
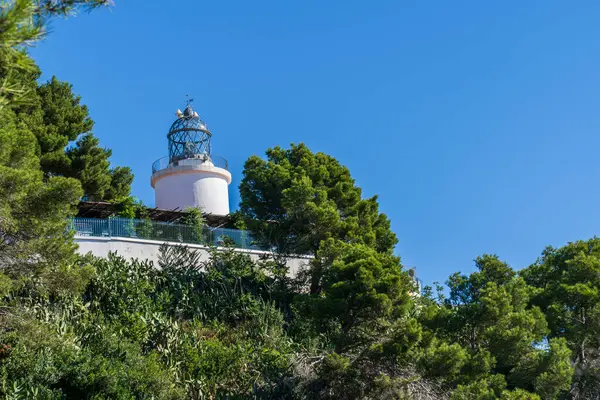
(163, 231)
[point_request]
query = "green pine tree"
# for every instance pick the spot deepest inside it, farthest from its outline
(33, 210)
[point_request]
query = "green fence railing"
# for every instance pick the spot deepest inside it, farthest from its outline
(163, 231)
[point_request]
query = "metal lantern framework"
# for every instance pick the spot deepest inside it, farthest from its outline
(189, 137)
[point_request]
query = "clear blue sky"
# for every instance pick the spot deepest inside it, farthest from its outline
(476, 123)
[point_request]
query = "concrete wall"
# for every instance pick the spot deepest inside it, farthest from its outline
(195, 185)
(149, 250)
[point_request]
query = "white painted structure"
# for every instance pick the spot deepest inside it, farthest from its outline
(192, 183)
(144, 249)
(190, 176)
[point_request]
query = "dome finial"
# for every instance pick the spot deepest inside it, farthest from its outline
(189, 110)
(188, 101)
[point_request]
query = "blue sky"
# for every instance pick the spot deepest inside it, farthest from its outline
(475, 122)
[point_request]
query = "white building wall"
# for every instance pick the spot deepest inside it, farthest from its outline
(193, 190)
(149, 250)
(184, 186)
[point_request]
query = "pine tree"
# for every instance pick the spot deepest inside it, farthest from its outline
(66, 145)
(296, 199)
(33, 210)
(22, 22)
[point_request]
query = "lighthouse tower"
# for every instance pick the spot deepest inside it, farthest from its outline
(190, 176)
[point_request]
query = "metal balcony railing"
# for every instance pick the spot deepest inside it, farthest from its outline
(160, 164)
(163, 231)
(164, 162)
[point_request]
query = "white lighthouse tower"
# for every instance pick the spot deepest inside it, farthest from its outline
(190, 176)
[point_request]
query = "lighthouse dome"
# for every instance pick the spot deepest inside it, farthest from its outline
(188, 136)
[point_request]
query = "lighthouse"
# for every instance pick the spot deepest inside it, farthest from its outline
(191, 176)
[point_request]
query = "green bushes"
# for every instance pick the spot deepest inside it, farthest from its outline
(140, 332)
(230, 327)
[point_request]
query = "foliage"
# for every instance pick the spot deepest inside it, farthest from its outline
(297, 198)
(231, 327)
(162, 336)
(195, 221)
(489, 338)
(51, 111)
(37, 122)
(121, 179)
(22, 23)
(17, 30)
(301, 202)
(362, 289)
(33, 211)
(66, 145)
(568, 283)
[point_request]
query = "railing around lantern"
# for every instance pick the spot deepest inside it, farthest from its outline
(164, 162)
(162, 231)
(160, 164)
